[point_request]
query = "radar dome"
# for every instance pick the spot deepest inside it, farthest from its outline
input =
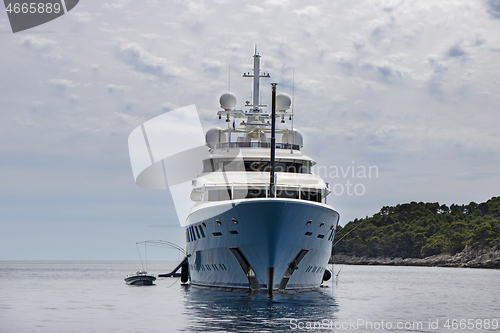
(227, 101)
(283, 102)
(215, 136)
(293, 137)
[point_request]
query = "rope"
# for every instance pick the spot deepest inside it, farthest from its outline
(348, 233)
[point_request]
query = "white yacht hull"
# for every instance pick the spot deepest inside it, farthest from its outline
(260, 242)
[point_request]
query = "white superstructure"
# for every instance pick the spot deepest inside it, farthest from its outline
(247, 230)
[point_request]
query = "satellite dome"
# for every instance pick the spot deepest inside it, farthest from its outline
(215, 136)
(227, 101)
(293, 137)
(283, 102)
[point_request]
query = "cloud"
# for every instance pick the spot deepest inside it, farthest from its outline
(456, 51)
(82, 16)
(307, 11)
(493, 8)
(145, 62)
(150, 36)
(281, 3)
(74, 98)
(61, 87)
(62, 84)
(41, 47)
(256, 9)
(116, 88)
(165, 107)
(37, 43)
(435, 81)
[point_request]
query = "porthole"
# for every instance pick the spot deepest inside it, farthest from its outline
(309, 222)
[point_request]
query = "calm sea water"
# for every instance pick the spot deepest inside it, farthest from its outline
(83, 296)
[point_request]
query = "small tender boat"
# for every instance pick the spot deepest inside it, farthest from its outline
(141, 278)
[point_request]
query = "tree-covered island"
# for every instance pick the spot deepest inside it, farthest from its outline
(427, 234)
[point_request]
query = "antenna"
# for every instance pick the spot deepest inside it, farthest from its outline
(229, 80)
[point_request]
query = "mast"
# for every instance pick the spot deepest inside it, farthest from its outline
(256, 80)
(272, 180)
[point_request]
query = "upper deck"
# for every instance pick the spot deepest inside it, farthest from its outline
(251, 128)
(239, 164)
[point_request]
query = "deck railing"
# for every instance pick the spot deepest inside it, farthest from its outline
(225, 145)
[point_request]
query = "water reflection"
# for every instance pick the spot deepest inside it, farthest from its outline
(211, 310)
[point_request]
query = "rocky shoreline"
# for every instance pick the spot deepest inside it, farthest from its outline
(469, 257)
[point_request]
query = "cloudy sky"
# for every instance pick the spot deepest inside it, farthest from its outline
(408, 87)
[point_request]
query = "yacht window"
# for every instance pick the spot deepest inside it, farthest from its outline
(287, 193)
(240, 193)
(259, 166)
(219, 195)
(234, 165)
(208, 165)
(260, 192)
(212, 165)
(291, 167)
(281, 167)
(255, 192)
(295, 167)
(311, 196)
